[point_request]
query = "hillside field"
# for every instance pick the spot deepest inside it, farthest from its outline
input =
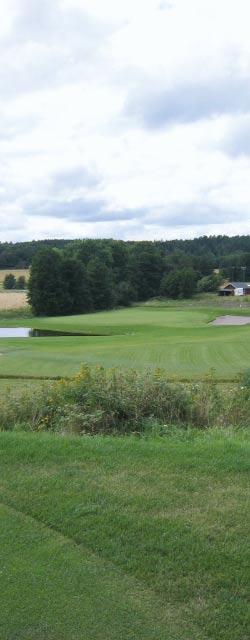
(177, 338)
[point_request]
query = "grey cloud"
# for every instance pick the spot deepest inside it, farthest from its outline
(237, 140)
(73, 178)
(53, 23)
(165, 6)
(192, 214)
(10, 128)
(176, 215)
(81, 210)
(155, 108)
(34, 19)
(10, 221)
(49, 45)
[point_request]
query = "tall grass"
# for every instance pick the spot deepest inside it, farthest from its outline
(99, 400)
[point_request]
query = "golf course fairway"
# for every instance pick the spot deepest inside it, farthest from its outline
(178, 339)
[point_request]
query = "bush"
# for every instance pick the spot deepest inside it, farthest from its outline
(99, 400)
(209, 283)
(21, 282)
(9, 281)
(179, 283)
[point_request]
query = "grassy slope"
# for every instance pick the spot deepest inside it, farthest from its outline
(176, 338)
(124, 539)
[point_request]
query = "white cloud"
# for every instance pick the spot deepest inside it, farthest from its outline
(124, 119)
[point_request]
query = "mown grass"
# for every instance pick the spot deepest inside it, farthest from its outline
(122, 538)
(178, 339)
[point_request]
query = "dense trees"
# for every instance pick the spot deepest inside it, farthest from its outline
(100, 281)
(209, 283)
(179, 283)
(78, 295)
(58, 285)
(145, 267)
(83, 275)
(207, 253)
(47, 293)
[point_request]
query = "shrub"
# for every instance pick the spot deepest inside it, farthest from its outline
(209, 283)
(9, 281)
(99, 400)
(21, 282)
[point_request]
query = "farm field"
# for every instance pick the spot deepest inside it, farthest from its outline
(12, 300)
(124, 538)
(176, 338)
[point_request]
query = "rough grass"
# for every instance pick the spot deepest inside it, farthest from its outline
(99, 400)
(178, 339)
(124, 538)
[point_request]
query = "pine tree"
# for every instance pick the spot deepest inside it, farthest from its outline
(9, 281)
(47, 293)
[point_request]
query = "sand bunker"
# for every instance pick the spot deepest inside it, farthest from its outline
(235, 320)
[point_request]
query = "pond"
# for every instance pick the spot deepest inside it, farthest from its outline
(27, 332)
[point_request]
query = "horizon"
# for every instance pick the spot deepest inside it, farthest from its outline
(58, 239)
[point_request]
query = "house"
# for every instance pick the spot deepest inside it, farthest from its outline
(235, 289)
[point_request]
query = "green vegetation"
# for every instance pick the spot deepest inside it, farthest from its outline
(103, 274)
(209, 283)
(136, 537)
(177, 338)
(124, 538)
(179, 283)
(11, 282)
(99, 400)
(204, 254)
(21, 276)
(57, 284)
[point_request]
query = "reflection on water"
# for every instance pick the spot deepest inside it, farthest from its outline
(17, 332)
(40, 333)
(27, 332)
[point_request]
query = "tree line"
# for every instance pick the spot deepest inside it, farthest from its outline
(94, 275)
(208, 252)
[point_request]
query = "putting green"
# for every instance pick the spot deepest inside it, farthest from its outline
(179, 340)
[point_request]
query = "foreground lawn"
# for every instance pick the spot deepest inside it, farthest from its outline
(124, 538)
(178, 339)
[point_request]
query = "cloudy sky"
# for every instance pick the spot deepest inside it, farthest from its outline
(124, 118)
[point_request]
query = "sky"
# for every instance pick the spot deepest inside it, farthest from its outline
(124, 118)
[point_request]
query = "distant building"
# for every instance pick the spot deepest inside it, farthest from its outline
(235, 289)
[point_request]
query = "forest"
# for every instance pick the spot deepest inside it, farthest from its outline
(88, 275)
(228, 253)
